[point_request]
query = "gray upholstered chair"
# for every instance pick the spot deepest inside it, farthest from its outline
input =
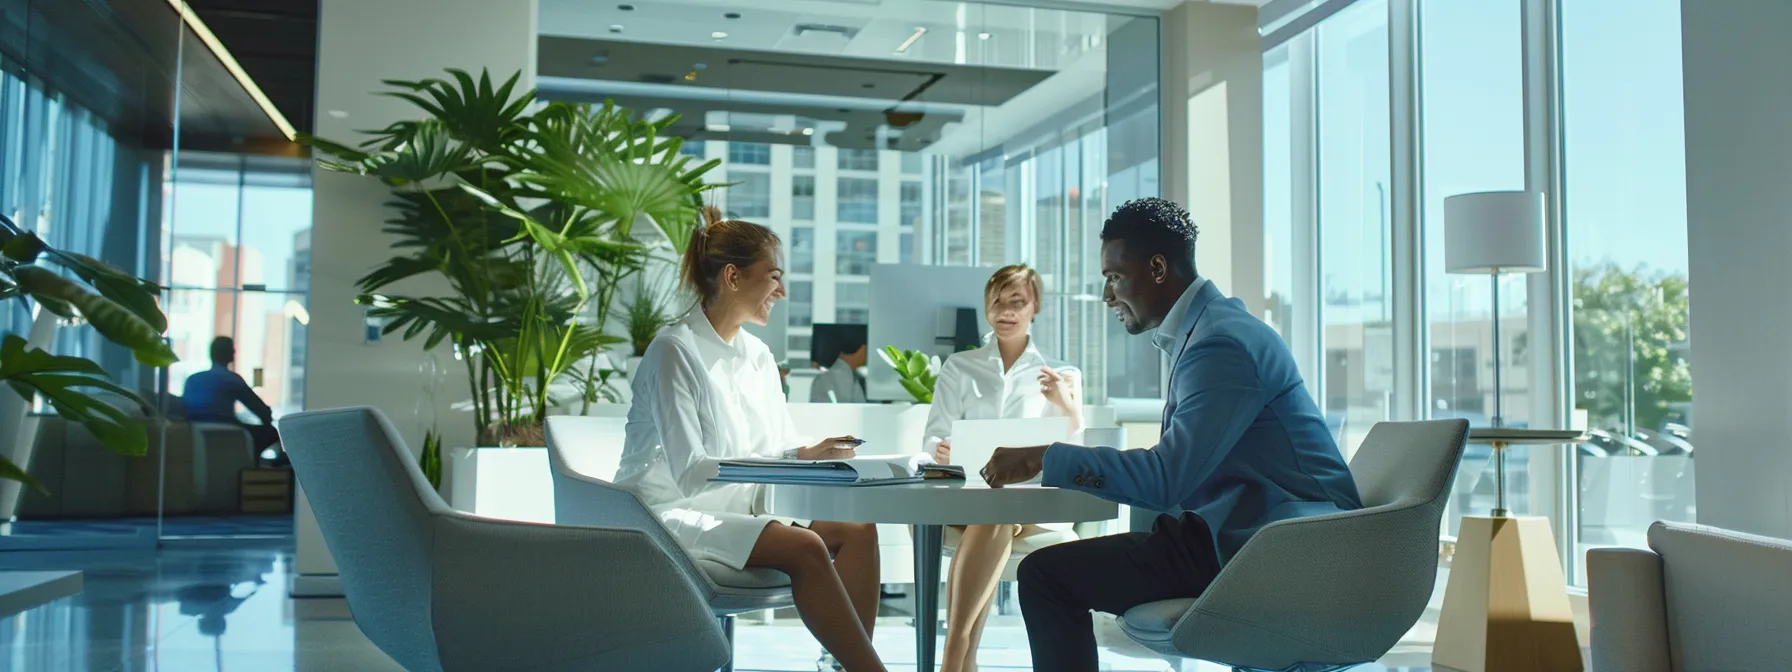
(437, 589)
(584, 452)
(1325, 592)
(1699, 598)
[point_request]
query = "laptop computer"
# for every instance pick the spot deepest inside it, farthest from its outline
(974, 441)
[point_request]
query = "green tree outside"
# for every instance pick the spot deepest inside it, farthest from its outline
(1630, 334)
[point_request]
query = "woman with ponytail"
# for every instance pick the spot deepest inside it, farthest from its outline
(709, 391)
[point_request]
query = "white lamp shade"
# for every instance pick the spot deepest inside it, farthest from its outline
(1494, 232)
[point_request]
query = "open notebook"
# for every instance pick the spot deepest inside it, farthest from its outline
(865, 470)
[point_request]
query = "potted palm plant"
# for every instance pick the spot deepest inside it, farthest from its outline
(529, 212)
(121, 307)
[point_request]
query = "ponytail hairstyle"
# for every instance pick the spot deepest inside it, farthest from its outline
(717, 243)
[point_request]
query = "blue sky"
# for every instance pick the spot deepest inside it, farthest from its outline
(1623, 136)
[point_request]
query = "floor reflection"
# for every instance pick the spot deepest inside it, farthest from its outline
(223, 605)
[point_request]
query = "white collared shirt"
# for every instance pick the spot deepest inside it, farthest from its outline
(972, 385)
(698, 400)
(1169, 333)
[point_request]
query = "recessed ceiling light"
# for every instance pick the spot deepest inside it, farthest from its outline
(982, 36)
(616, 28)
(808, 131)
(731, 15)
(339, 114)
(719, 35)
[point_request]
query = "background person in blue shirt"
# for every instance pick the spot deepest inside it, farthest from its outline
(1243, 446)
(212, 396)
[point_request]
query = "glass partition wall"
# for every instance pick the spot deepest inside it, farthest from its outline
(152, 158)
(924, 132)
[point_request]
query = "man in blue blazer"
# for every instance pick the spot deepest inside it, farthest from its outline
(1243, 446)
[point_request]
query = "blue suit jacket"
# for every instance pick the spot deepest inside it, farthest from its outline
(1243, 443)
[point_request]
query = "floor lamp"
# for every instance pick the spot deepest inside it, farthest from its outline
(1494, 233)
(1506, 606)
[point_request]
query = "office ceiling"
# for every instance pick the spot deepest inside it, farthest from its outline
(276, 43)
(121, 59)
(893, 74)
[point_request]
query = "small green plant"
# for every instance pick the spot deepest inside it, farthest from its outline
(648, 310)
(431, 459)
(918, 371)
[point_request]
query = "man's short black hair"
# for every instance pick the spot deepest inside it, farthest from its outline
(1155, 226)
(223, 350)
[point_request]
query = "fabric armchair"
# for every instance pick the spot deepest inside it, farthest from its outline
(437, 589)
(1326, 591)
(1699, 598)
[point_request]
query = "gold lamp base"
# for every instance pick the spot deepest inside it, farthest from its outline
(1506, 606)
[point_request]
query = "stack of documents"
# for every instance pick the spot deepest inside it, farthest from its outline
(866, 470)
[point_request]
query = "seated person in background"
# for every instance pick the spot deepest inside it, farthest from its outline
(212, 396)
(840, 383)
(1243, 446)
(1005, 379)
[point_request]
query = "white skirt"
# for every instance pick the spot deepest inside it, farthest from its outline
(721, 524)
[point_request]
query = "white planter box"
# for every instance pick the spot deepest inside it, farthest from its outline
(505, 483)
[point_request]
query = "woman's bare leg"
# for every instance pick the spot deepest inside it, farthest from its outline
(970, 584)
(821, 599)
(854, 546)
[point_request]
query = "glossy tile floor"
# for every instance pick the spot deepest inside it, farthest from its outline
(223, 605)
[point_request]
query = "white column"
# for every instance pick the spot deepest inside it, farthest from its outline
(360, 43)
(1739, 230)
(1213, 139)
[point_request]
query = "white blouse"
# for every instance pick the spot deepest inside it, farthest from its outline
(973, 386)
(697, 401)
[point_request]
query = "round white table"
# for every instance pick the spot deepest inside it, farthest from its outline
(929, 507)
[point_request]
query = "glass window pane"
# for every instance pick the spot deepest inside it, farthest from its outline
(694, 148)
(852, 303)
(856, 200)
(802, 302)
(857, 159)
(802, 249)
(751, 196)
(1473, 102)
(802, 156)
(276, 235)
(752, 153)
(203, 239)
(802, 197)
(908, 247)
(855, 252)
(960, 245)
(1354, 154)
(911, 204)
(1625, 195)
(1278, 192)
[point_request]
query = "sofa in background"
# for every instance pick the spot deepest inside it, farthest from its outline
(85, 480)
